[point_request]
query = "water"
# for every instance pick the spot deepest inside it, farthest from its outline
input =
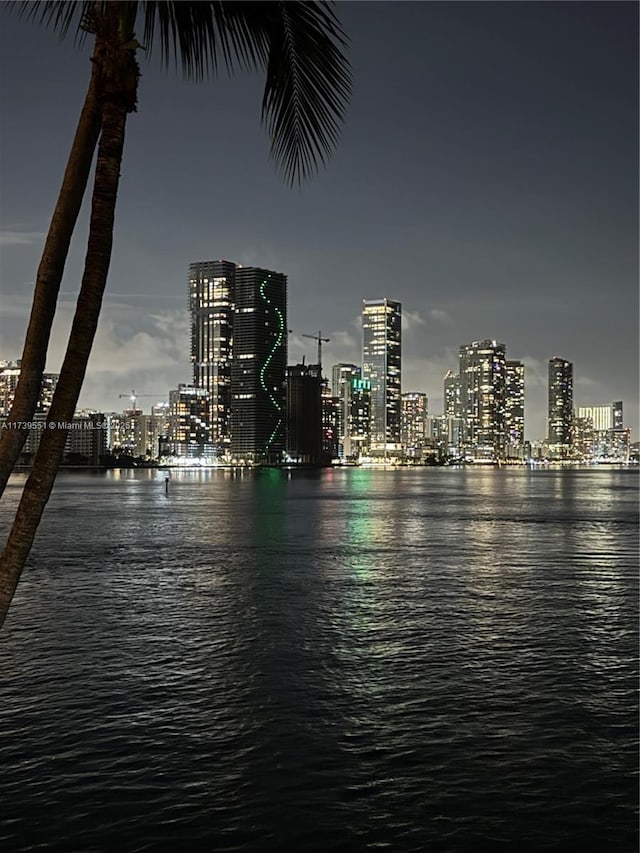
(412, 660)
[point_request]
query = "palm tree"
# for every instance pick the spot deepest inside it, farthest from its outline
(299, 46)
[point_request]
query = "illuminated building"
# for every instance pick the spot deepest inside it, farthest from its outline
(85, 444)
(382, 367)
(154, 431)
(331, 416)
(304, 414)
(514, 410)
(447, 433)
(414, 422)
(356, 395)
(124, 431)
(610, 441)
(9, 375)
(444, 436)
(258, 366)
(616, 412)
(483, 400)
(582, 439)
(602, 417)
(560, 413)
(211, 305)
(341, 376)
(452, 391)
(189, 423)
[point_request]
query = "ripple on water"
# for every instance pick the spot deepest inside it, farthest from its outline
(360, 660)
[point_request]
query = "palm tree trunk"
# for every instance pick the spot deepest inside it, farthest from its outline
(49, 276)
(120, 88)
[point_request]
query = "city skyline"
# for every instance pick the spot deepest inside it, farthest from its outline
(498, 204)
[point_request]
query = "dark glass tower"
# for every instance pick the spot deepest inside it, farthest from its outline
(258, 365)
(304, 414)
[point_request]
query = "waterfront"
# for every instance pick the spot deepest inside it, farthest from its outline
(342, 660)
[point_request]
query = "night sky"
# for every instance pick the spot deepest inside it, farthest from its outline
(487, 178)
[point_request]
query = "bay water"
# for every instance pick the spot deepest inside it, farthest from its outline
(341, 660)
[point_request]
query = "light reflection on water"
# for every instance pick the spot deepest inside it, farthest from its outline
(342, 660)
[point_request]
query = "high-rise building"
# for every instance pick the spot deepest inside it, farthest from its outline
(560, 413)
(341, 376)
(304, 414)
(452, 391)
(603, 417)
(211, 304)
(514, 409)
(86, 441)
(331, 416)
(258, 365)
(382, 367)
(483, 400)
(357, 433)
(609, 439)
(9, 375)
(616, 409)
(414, 422)
(444, 436)
(189, 423)
(154, 430)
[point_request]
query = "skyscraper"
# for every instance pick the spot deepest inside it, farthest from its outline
(357, 395)
(483, 399)
(414, 422)
(211, 303)
(341, 376)
(560, 415)
(9, 375)
(382, 367)
(304, 414)
(514, 408)
(189, 419)
(452, 404)
(258, 365)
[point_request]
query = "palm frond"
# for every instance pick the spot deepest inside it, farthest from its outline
(59, 16)
(300, 45)
(307, 88)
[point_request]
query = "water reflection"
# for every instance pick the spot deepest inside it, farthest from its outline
(342, 661)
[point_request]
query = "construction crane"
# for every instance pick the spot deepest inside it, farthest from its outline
(134, 397)
(320, 340)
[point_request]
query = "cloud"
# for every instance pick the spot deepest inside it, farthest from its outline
(20, 238)
(344, 340)
(132, 349)
(439, 316)
(411, 319)
(264, 256)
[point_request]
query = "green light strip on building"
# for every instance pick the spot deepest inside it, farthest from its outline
(268, 359)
